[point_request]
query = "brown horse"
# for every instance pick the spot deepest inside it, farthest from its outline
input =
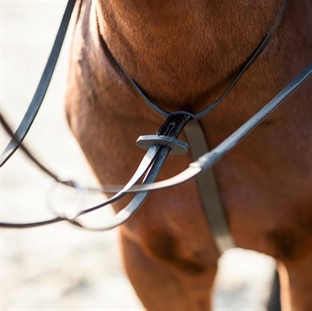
(183, 54)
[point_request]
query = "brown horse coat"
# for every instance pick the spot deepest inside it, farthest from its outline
(183, 54)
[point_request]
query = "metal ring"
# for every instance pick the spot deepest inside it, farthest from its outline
(72, 212)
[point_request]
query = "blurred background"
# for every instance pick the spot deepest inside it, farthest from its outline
(58, 266)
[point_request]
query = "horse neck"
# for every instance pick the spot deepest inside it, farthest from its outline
(179, 60)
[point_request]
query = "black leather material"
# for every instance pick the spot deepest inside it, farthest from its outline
(151, 163)
(210, 107)
(212, 157)
(172, 127)
(177, 146)
(41, 90)
(174, 123)
(156, 155)
(208, 190)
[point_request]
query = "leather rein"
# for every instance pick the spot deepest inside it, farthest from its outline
(158, 147)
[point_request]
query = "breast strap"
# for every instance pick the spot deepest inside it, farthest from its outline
(208, 190)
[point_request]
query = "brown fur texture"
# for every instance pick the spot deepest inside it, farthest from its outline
(183, 53)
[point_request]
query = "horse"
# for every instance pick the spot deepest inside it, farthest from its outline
(183, 54)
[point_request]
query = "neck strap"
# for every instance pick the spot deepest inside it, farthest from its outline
(210, 107)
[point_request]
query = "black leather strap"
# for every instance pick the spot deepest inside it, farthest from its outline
(262, 45)
(48, 171)
(208, 190)
(152, 162)
(209, 159)
(36, 102)
(206, 181)
(172, 127)
(145, 164)
(29, 154)
(159, 153)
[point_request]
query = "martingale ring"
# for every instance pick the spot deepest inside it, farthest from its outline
(67, 213)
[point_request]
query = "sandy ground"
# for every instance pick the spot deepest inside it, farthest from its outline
(59, 267)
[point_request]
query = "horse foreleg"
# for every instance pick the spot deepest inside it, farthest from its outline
(296, 284)
(163, 286)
